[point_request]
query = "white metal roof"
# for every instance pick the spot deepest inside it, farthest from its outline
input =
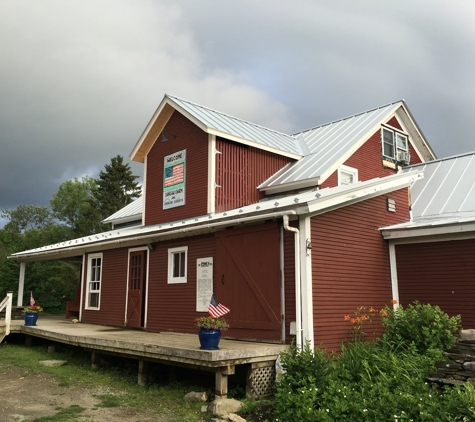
(329, 145)
(445, 196)
(225, 124)
(130, 212)
(308, 202)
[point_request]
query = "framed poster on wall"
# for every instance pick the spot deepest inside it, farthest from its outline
(204, 283)
(174, 171)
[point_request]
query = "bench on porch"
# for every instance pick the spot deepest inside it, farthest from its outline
(72, 306)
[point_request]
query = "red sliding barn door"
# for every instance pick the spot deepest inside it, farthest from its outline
(248, 280)
(136, 293)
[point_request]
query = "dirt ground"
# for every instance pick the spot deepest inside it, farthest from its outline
(27, 396)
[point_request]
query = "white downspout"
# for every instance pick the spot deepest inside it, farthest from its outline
(298, 306)
(393, 267)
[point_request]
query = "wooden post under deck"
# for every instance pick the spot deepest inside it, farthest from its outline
(95, 360)
(221, 380)
(143, 372)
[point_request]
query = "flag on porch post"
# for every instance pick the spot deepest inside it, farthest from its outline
(216, 309)
(32, 299)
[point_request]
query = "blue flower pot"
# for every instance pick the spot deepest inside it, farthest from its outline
(30, 319)
(209, 339)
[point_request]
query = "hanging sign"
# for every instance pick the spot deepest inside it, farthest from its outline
(204, 283)
(174, 168)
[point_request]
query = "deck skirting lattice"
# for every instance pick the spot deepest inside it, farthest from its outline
(260, 380)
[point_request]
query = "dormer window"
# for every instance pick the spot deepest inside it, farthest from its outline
(347, 175)
(395, 145)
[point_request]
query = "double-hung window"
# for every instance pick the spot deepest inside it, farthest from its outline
(395, 145)
(177, 264)
(94, 278)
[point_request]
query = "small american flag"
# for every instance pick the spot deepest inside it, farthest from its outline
(32, 299)
(216, 309)
(174, 175)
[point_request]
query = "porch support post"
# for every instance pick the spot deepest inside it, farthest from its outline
(221, 380)
(95, 360)
(143, 373)
(393, 266)
(221, 384)
(306, 280)
(21, 285)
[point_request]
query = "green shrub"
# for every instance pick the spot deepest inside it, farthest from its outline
(299, 390)
(427, 327)
(381, 380)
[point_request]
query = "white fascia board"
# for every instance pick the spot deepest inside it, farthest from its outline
(171, 103)
(135, 217)
(367, 191)
(301, 184)
(257, 145)
(149, 126)
(408, 235)
(415, 132)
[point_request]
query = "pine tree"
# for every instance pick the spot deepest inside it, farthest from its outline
(115, 188)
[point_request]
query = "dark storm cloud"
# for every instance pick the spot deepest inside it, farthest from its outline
(80, 80)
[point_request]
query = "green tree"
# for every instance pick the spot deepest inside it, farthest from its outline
(26, 217)
(116, 188)
(72, 205)
(31, 227)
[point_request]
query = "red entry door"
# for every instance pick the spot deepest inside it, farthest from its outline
(247, 280)
(136, 294)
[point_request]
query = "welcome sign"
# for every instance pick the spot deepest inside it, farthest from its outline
(174, 168)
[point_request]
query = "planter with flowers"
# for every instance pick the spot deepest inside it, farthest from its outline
(210, 331)
(31, 314)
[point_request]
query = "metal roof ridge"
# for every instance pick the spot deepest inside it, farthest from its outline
(349, 117)
(232, 117)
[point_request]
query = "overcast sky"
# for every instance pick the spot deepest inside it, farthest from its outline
(79, 80)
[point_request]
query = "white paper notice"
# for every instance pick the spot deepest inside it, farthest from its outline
(204, 283)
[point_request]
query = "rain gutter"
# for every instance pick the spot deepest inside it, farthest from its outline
(143, 239)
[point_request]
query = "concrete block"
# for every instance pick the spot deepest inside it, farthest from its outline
(53, 362)
(194, 396)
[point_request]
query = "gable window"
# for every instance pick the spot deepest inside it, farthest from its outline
(347, 175)
(395, 145)
(94, 278)
(177, 258)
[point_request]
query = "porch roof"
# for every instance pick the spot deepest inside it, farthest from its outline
(309, 202)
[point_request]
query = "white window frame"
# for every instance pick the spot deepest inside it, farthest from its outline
(90, 282)
(182, 278)
(349, 170)
(395, 134)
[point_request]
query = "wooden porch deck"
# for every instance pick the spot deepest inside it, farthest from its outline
(167, 348)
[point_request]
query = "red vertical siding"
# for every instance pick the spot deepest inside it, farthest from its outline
(394, 123)
(439, 273)
(239, 170)
(195, 141)
(172, 307)
(113, 289)
(350, 262)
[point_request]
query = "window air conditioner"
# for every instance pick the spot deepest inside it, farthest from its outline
(403, 157)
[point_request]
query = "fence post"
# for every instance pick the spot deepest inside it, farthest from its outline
(8, 313)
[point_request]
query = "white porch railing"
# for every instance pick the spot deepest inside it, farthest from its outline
(7, 305)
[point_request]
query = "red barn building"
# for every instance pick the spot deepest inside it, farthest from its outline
(283, 229)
